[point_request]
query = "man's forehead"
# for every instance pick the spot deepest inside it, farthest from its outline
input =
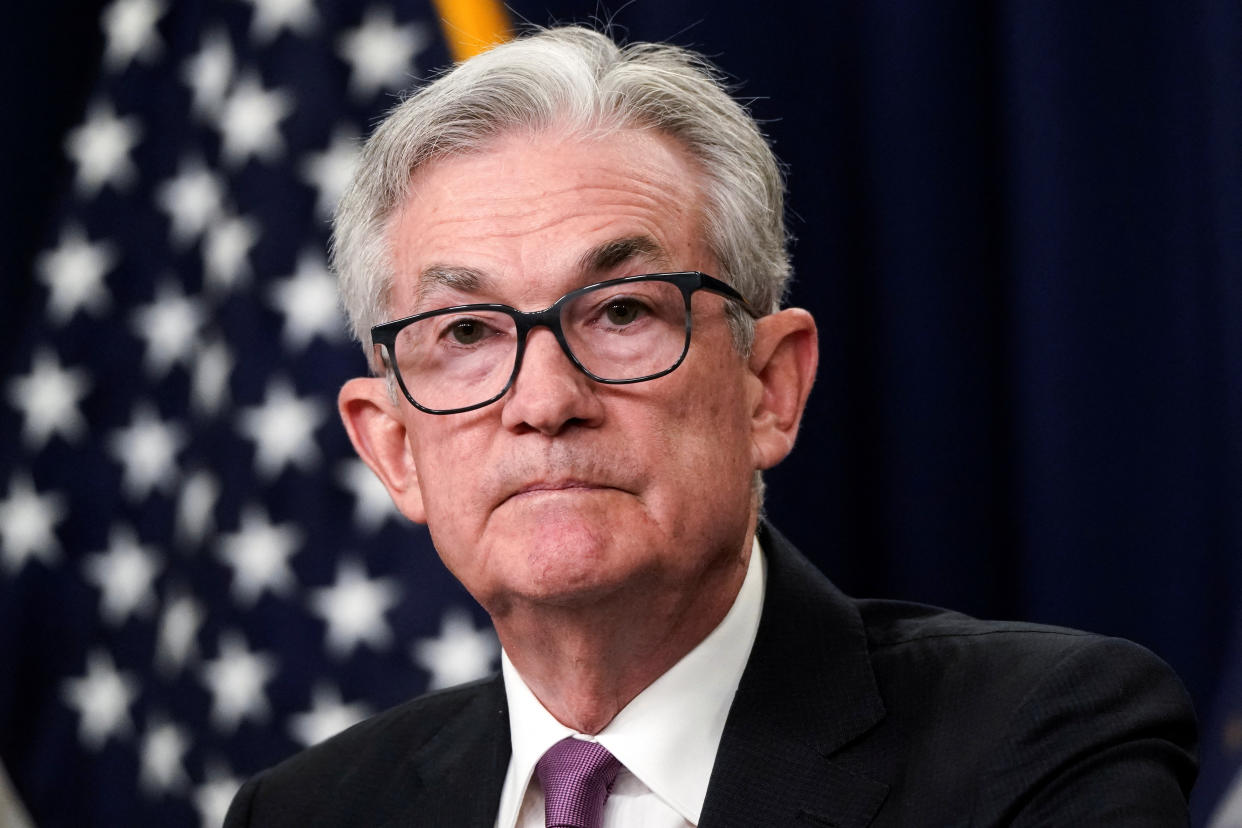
(552, 209)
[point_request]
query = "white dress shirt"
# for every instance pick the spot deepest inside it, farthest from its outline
(666, 737)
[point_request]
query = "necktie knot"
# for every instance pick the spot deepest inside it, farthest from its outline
(576, 776)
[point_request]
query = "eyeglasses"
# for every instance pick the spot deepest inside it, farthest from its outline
(620, 331)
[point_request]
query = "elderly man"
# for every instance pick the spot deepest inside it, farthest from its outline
(567, 260)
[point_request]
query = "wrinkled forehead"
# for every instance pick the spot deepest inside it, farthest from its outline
(533, 213)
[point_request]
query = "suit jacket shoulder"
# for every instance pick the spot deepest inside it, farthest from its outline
(891, 713)
(1044, 725)
(439, 759)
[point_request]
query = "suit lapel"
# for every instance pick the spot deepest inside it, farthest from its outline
(807, 691)
(456, 775)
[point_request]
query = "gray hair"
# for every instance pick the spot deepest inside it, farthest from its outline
(575, 78)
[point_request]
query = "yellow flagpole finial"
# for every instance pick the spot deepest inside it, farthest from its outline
(472, 26)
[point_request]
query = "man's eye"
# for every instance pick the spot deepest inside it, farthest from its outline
(467, 331)
(623, 311)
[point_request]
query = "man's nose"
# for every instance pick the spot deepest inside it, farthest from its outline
(549, 392)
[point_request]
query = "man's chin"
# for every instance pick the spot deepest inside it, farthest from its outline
(558, 584)
(564, 555)
(577, 518)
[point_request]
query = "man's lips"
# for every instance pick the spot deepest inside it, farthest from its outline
(560, 470)
(549, 486)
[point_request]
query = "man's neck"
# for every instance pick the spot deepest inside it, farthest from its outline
(586, 663)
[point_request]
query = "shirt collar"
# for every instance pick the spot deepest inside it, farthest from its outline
(668, 735)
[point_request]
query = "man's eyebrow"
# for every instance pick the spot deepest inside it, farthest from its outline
(438, 277)
(598, 259)
(611, 254)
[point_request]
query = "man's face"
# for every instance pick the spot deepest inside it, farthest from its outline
(567, 490)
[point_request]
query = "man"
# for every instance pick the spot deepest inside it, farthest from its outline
(589, 473)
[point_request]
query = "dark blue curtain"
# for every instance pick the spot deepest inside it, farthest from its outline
(1019, 225)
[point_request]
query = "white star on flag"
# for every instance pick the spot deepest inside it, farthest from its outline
(327, 717)
(271, 17)
(259, 555)
(100, 148)
(209, 379)
(48, 399)
(176, 641)
(461, 653)
(170, 328)
(129, 27)
(308, 302)
(74, 273)
(27, 525)
(124, 574)
(213, 797)
(102, 698)
(163, 750)
(249, 122)
(330, 171)
(380, 53)
(192, 200)
(196, 504)
(226, 250)
(354, 607)
(209, 72)
(372, 503)
(147, 451)
(283, 430)
(236, 679)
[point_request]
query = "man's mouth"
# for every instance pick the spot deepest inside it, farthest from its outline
(544, 486)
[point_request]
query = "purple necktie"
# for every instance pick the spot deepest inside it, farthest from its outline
(576, 776)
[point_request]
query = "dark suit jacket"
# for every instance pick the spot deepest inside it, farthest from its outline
(849, 714)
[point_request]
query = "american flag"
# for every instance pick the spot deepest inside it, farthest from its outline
(197, 577)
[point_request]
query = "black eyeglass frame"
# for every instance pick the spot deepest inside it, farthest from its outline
(688, 282)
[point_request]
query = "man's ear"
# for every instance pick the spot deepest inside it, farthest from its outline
(783, 359)
(379, 435)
